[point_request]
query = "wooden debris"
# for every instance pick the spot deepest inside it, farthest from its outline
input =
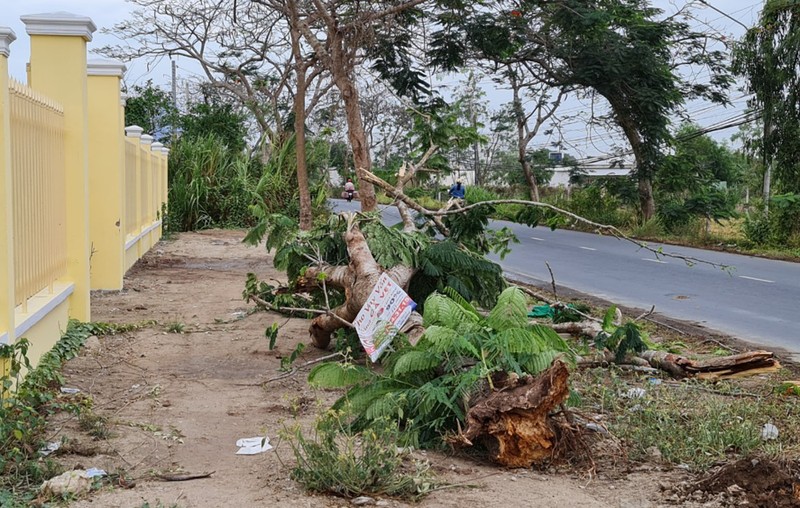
(736, 366)
(514, 420)
(182, 477)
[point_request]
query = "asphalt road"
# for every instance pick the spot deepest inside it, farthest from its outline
(757, 300)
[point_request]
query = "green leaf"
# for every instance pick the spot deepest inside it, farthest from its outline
(414, 361)
(338, 375)
(608, 319)
(511, 310)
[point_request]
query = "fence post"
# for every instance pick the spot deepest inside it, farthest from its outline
(146, 142)
(156, 147)
(7, 36)
(106, 174)
(58, 70)
(165, 189)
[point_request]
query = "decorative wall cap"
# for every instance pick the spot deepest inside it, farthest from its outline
(105, 67)
(156, 147)
(146, 139)
(133, 131)
(165, 150)
(59, 23)
(7, 36)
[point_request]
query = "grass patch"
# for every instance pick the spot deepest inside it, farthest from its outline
(693, 423)
(176, 327)
(337, 462)
(25, 403)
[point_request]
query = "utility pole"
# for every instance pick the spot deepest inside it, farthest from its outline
(768, 156)
(174, 133)
(175, 84)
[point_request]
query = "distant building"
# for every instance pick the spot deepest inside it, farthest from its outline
(561, 174)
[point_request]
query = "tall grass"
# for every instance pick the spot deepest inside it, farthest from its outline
(211, 186)
(208, 185)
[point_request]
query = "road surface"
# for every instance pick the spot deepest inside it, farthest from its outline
(756, 299)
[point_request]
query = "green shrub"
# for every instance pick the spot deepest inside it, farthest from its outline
(428, 387)
(349, 465)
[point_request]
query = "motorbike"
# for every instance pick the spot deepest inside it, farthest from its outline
(350, 195)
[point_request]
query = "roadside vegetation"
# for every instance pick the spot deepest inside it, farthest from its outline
(28, 399)
(263, 148)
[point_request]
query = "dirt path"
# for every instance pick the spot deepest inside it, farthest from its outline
(179, 401)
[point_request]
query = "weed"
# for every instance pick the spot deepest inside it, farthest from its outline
(693, 423)
(158, 504)
(287, 361)
(369, 463)
(24, 406)
(176, 327)
(93, 424)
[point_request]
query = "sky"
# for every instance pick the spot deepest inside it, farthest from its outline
(576, 138)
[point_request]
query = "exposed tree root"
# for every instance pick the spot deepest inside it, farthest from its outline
(514, 421)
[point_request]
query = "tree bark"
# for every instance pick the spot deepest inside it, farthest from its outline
(357, 280)
(306, 219)
(647, 204)
(355, 130)
(514, 420)
(529, 176)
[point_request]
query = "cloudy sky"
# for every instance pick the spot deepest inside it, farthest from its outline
(106, 13)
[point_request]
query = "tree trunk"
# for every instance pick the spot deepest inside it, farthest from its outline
(306, 219)
(647, 204)
(522, 141)
(529, 176)
(357, 280)
(646, 201)
(355, 133)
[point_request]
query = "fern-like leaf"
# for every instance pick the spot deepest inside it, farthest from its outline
(442, 340)
(511, 310)
(440, 310)
(416, 362)
(338, 375)
(540, 362)
(456, 297)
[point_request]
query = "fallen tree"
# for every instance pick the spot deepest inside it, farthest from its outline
(455, 367)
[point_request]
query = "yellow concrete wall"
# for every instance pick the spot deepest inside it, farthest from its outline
(95, 188)
(106, 183)
(58, 70)
(6, 223)
(94, 161)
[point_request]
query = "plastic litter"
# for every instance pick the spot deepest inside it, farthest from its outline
(64, 389)
(253, 445)
(635, 393)
(94, 472)
(769, 432)
(49, 448)
(654, 381)
(597, 428)
(74, 482)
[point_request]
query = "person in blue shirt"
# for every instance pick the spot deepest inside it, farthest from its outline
(457, 191)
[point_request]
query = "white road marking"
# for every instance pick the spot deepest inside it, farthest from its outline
(586, 248)
(538, 239)
(655, 261)
(757, 279)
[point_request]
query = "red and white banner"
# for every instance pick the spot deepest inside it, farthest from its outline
(387, 309)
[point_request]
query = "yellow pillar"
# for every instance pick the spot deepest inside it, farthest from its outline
(156, 148)
(106, 174)
(58, 70)
(7, 36)
(165, 187)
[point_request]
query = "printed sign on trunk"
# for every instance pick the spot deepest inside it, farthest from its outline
(387, 309)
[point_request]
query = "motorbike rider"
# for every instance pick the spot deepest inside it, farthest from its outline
(349, 189)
